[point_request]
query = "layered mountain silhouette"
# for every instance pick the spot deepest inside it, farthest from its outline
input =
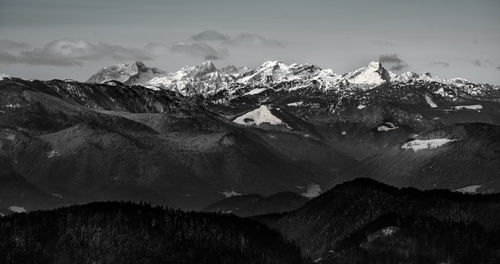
(190, 138)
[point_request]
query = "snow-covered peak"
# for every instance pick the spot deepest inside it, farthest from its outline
(373, 74)
(118, 72)
(272, 72)
(199, 79)
(459, 84)
(134, 73)
(206, 79)
(198, 71)
(413, 76)
(272, 64)
(375, 65)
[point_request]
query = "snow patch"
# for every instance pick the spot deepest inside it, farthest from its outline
(256, 91)
(468, 107)
(469, 189)
(384, 232)
(387, 126)
(343, 133)
(441, 92)
(361, 106)
(228, 194)
(312, 191)
(257, 117)
(428, 99)
(3, 76)
(57, 195)
(52, 153)
(14, 106)
(296, 103)
(389, 231)
(421, 144)
(151, 87)
(17, 209)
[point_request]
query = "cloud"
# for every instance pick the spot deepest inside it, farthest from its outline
(482, 63)
(396, 63)
(73, 53)
(197, 45)
(7, 44)
(241, 39)
(199, 49)
(254, 40)
(477, 63)
(7, 58)
(210, 35)
(157, 48)
(441, 64)
(383, 43)
(399, 67)
(390, 58)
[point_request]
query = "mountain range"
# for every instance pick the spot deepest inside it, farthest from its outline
(190, 138)
(290, 164)
(206, 79)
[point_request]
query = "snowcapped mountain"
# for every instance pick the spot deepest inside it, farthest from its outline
(132, 74)
(3, 76)
(277, 72)
(201, 79)
(206, 79)
(373, 74)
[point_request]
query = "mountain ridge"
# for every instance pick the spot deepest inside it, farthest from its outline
(206, 79)
(88, 141)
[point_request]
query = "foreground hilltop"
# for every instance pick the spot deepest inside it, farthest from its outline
(361, 221)
(119, 232)
(365, 221)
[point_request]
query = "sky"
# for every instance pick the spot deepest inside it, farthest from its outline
(66, 39)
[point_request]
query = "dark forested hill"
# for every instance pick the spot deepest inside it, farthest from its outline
(432, 226)
(113, 232)
(396, 238)
(362, 221)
